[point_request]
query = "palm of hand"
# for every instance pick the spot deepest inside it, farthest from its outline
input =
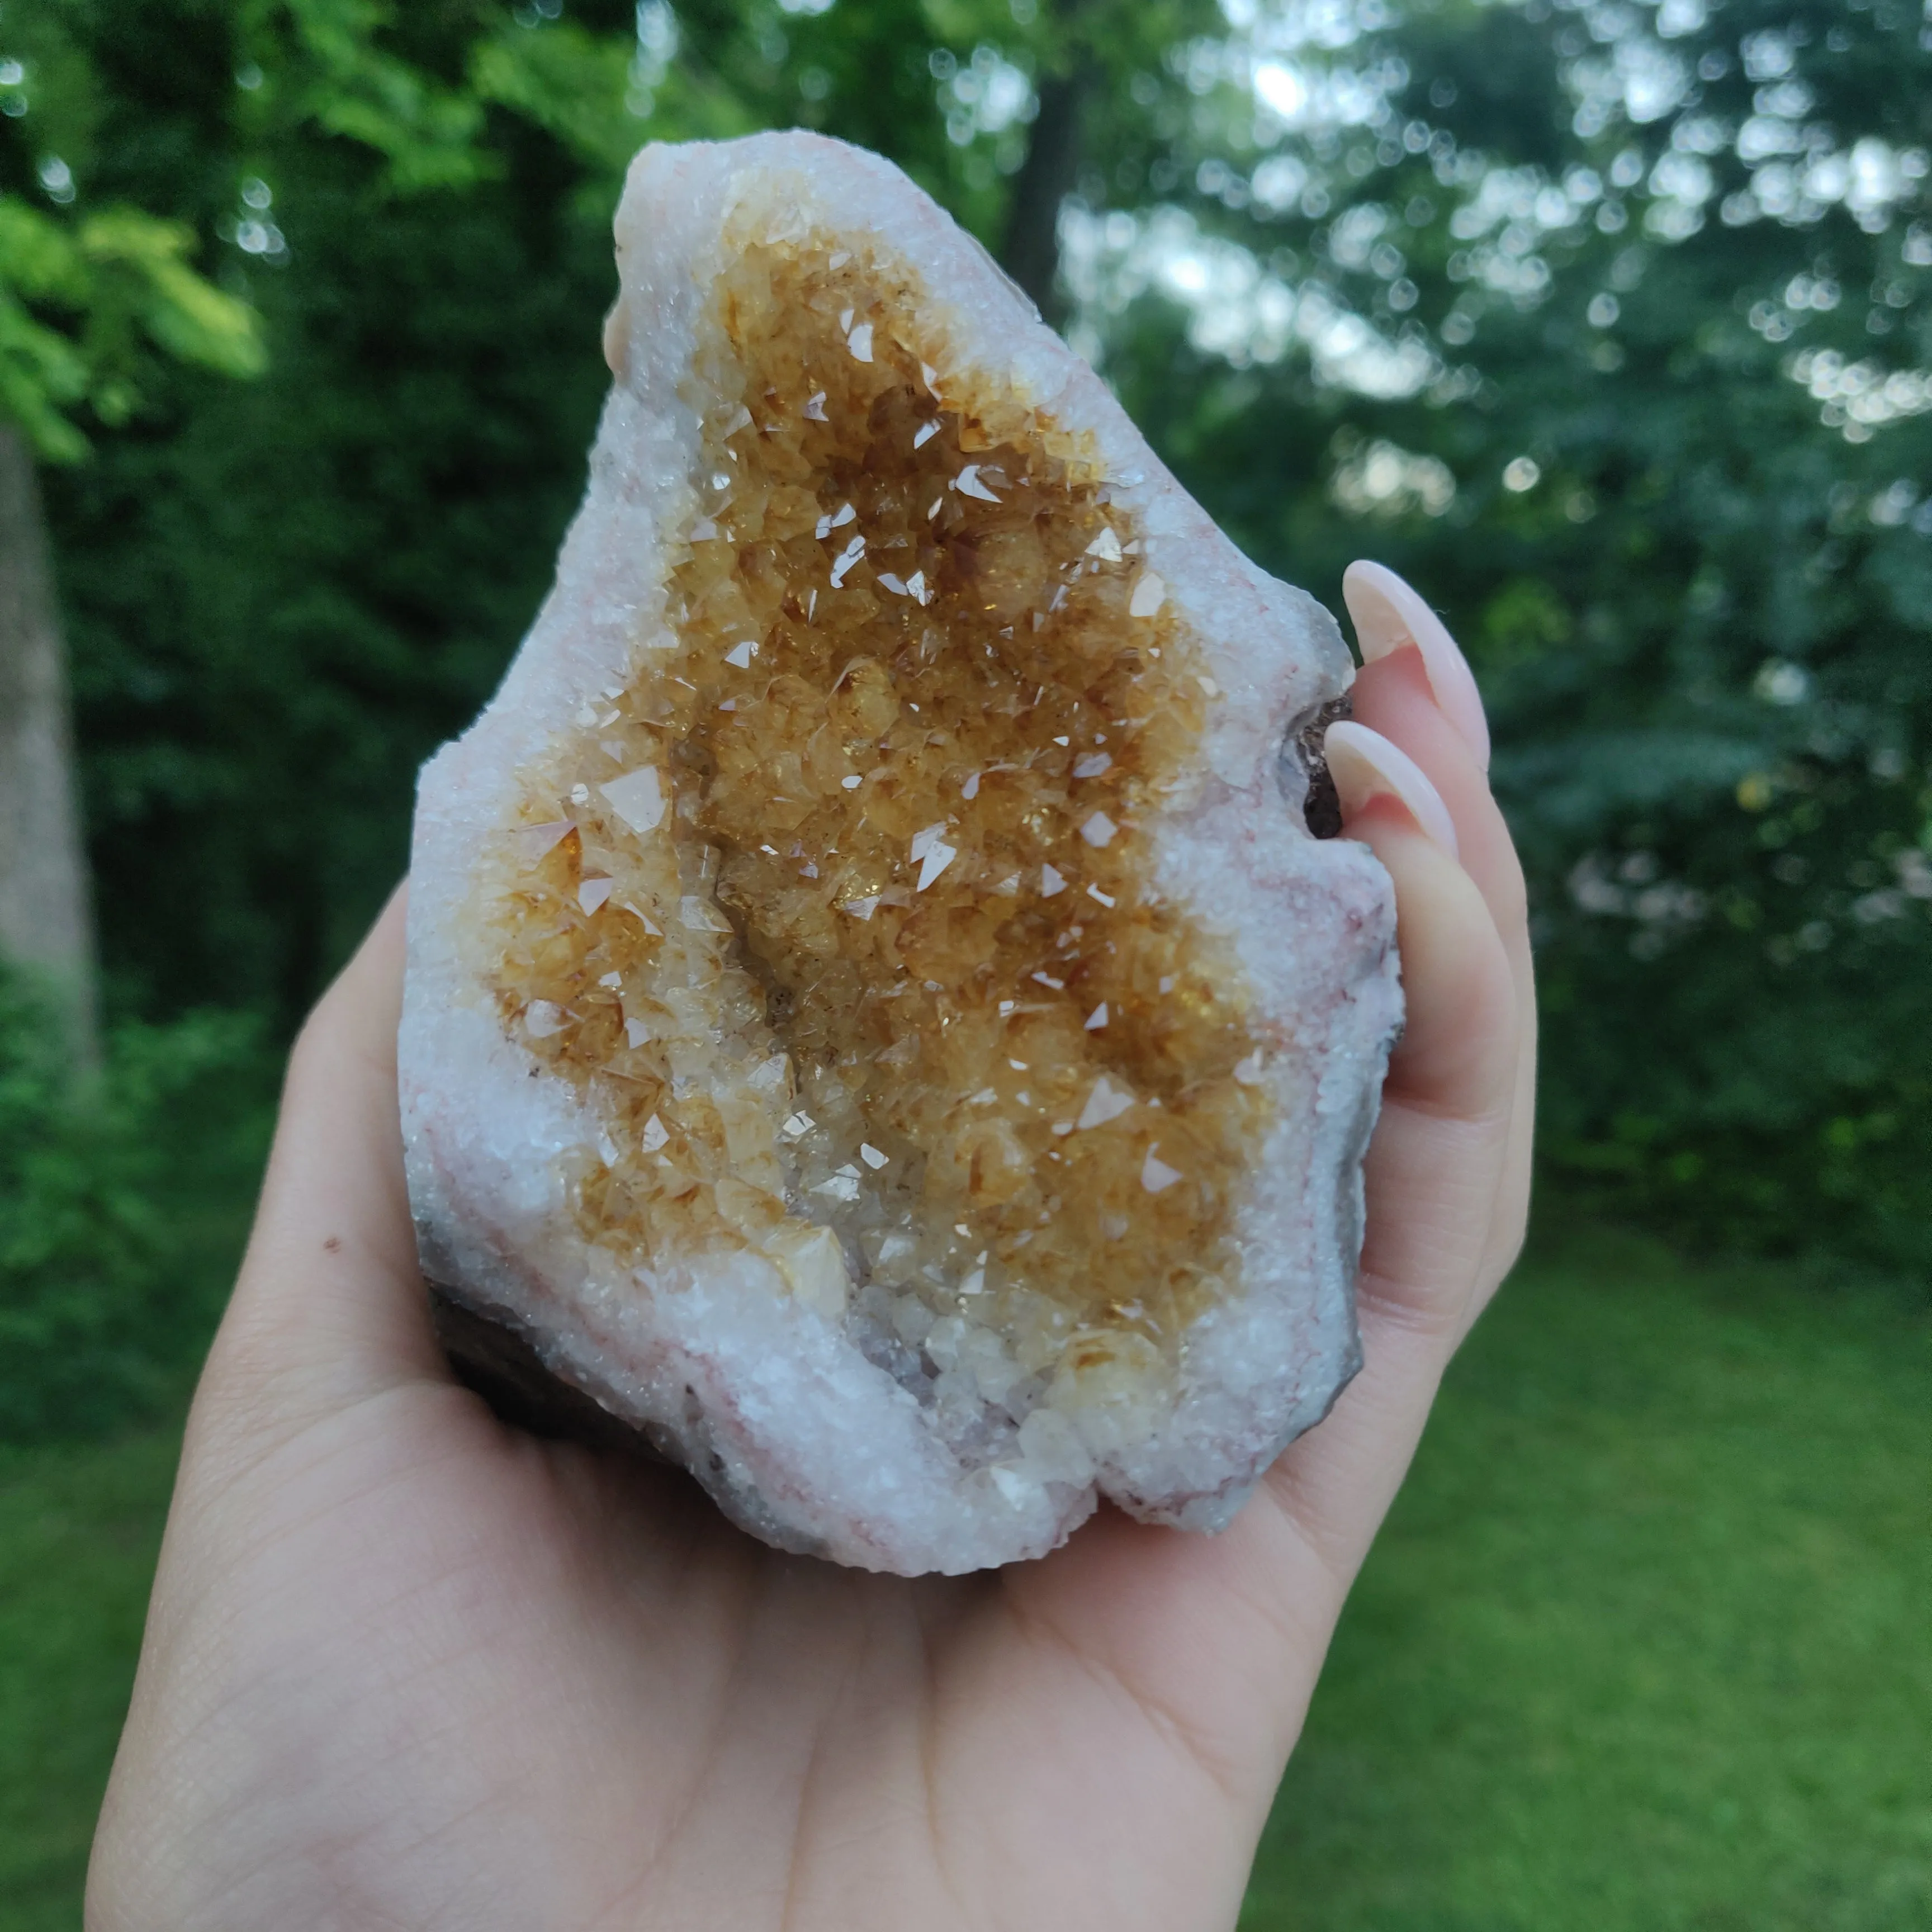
(408, 1667)
(547, 1686)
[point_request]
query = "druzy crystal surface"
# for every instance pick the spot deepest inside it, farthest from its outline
(877, 1019)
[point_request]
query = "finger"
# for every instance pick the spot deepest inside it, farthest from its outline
(1399, 699)
(1457, 1054)
(329, 1306)
(1390, 616)
(1431, 1177)
(1436, 1163)
(1435, 1167)
(1416, 688)
(1363, 762)
(1393, 696)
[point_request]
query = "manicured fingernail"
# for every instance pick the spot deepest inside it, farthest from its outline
(1388, 614)
(1364, 762)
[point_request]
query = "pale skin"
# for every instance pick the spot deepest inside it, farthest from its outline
(409, 1668)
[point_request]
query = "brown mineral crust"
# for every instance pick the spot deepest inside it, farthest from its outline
(918, 696)
(492, 1355)
(1321, 804)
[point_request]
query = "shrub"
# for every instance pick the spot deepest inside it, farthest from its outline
(123, 1201)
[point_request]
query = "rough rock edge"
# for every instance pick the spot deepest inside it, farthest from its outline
(1261, 1368)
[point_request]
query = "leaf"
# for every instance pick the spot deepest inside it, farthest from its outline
(42, 372)
(38, 258)
(572, 84)
(185, 316)
(343, 79)
(116, 277)
(39, 372)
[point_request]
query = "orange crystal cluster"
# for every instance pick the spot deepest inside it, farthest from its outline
(840, 912)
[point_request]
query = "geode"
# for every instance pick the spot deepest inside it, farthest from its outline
(877, 1022)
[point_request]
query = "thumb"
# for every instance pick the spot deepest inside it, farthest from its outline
(329, 1307)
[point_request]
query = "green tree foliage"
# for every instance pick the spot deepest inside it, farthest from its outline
(117, 277)
(281, 597)
(87, 297)
(121, 1207)
(1607, 323)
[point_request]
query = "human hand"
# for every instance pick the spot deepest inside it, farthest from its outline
(408, 1667)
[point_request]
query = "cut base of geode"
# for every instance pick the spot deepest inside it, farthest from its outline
(877, 1022)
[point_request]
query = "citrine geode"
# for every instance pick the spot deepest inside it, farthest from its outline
(877, 1020)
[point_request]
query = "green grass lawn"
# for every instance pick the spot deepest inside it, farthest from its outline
(1643, 1645)
(79, 1528)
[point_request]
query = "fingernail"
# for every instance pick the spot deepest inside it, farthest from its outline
(1388, 614)
(1364, 762)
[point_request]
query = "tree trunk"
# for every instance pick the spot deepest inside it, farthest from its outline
(46, 921)
(1029, 252)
